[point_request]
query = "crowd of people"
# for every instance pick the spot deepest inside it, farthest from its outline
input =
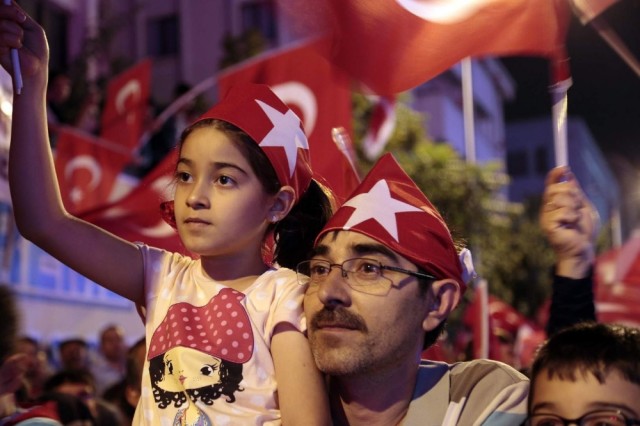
(293, 310)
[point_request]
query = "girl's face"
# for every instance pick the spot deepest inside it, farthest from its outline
(186, 368)
(221, 208)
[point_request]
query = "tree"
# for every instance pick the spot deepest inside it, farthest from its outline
(508, 247)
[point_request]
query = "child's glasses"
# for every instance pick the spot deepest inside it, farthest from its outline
(594, 418)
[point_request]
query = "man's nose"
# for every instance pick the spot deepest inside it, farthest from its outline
(334, 290)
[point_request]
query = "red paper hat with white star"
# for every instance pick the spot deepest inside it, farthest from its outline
(388, 207)
(221, 328)
(257, 111)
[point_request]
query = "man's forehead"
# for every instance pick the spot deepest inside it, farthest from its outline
(351, 244)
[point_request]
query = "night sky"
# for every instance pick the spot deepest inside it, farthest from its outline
(605, 90)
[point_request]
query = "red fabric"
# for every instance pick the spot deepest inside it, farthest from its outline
(126, 106)
(48, 410)
(256, 110)
(617, 283)
(322, 100)
(381, 126)
(390, 49)
(390, 208)
(137, 217)
(87, 168)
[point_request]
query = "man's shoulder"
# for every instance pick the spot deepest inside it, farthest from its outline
(482, 368)
(468, 393)
(479, 375)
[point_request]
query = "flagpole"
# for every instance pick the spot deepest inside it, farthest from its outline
(561, 81)
(481, 287)
(467, 110)
(602, 27)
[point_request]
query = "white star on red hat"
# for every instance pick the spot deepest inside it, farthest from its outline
(378, 204)
(284, 126)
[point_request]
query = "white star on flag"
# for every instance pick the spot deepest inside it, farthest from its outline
(284, 125)
(377, 204)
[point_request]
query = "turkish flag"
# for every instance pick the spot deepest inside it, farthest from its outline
(395, 45)
(617, 289)
(87, 168)
(136, 217)
(322, 100)
(126, 106)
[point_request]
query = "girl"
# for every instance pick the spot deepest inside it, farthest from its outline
(222, 330)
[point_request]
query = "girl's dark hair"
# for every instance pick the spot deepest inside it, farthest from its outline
(293, 235)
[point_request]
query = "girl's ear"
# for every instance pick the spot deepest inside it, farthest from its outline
(282, 204)
(444, 297)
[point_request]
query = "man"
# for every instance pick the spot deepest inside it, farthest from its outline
(398, 278)
(108, 367)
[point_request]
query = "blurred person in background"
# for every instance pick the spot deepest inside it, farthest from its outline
(109, 363)
(38, 369)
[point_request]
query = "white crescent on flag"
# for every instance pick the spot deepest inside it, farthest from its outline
(131, 89)
(300, 95)
(88, 163)
(443, 11)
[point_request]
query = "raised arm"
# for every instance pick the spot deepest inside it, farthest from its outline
(570, 223)
(38, 209)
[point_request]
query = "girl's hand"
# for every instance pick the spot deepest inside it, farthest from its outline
(20, 31)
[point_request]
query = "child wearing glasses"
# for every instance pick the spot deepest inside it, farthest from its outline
(587, 375)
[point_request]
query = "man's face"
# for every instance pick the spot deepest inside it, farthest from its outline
(351, 332)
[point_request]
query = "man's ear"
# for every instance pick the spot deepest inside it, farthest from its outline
(443, 298)
(282, 204)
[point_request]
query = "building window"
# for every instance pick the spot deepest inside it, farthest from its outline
(517, 165)
(260, 15)
(162, 36)
(541, 160)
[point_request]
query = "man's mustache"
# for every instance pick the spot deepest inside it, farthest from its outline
(338, 317)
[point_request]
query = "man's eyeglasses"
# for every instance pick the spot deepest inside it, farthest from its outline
(362, 274)
(594, 418)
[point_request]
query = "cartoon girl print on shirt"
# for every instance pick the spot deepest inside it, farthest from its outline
(196, 354)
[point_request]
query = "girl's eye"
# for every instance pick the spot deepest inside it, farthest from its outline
(225, 180)
(183, 176)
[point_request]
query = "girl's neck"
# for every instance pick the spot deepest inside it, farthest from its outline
(237, 272)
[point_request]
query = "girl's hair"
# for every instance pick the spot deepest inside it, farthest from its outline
(294, 234)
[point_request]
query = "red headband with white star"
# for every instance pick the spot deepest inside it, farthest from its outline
(388, 207)
(258, 112)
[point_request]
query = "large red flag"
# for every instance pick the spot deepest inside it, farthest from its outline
(395, 45)
(136, 217)
(127, 105)
(320, 95)
(87, 168)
